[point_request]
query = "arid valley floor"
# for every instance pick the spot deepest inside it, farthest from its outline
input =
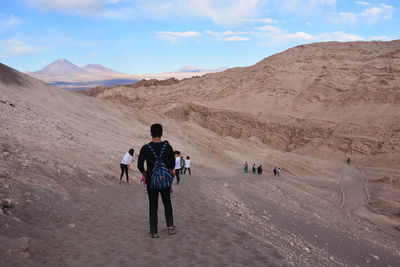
(303, 110)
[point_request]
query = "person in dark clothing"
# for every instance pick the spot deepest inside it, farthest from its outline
(169, 159)
(182, 164)
(348, 161)
(254, 168)
(259, 169)
(178, 165)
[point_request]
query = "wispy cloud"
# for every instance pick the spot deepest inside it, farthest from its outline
(107, 9)
(236, 39)
(221, 12)
(345, 18)
(370, 15)
(363, 3)
(15, 47)
(230, 36)
(225, 33)
(304, 37)
(273, 36)
(265, 20)
(175, 37)
(268, 28)
(305, 7)
(375, 13)
(76, 6)
(10, 23)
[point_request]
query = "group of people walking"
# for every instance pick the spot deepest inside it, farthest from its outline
(181, 166)
(254, 169)
(259, 169)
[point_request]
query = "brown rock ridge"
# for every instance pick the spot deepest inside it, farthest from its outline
(326, 99)
(142, 83)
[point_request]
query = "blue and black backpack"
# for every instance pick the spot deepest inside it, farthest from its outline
(160, 175)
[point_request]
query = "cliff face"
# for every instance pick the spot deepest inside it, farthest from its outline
(335, 98)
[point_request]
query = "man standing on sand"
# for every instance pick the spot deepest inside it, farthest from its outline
(153, 153)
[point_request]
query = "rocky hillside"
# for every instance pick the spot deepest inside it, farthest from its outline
(327, 99)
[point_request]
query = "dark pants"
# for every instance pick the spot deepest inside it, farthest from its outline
(124, 169)
(178, 176)
(189, 171)
(153, 208)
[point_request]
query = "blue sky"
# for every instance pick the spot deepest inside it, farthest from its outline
(150, 36)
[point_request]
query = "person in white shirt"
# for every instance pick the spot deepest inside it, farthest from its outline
(178, 166)
(187, 165)
(125, 162)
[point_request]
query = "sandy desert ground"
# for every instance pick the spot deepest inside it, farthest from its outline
(62, 204)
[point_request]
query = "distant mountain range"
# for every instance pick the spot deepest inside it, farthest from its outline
(66, 75)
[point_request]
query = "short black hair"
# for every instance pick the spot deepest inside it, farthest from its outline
(156, 130)
(131, 151)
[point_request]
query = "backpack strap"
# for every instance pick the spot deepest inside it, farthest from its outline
(163, 149)
(154, 153)
(152, 150)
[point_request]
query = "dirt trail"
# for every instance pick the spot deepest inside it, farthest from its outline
(355, 197)
(304, 234)
(352, 182)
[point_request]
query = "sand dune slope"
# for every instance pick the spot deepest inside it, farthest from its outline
(61, 203)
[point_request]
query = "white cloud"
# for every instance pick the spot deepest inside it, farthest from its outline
(229, 36)
(221, 12)
(232, 33)
(288, 38)
(305, 7)
(225, 33)
(265, 20)
(92, 8)
(236, 39)
(77, 6)
(268, 28)
(15, 47)
(380, 37)
(175, 37)
(345, 18)
(363, 3)
(373, 14)
(370, 15)
(180, 34)
(11, 22)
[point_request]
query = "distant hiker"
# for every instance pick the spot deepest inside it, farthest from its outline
(259, 170)
(182, 164)
(254, 168)
(246, 167)
(278, 171)
(187, 165)
(159, 175)
(178, 166)
(125, 162)
(275, 171)
(348, 161)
